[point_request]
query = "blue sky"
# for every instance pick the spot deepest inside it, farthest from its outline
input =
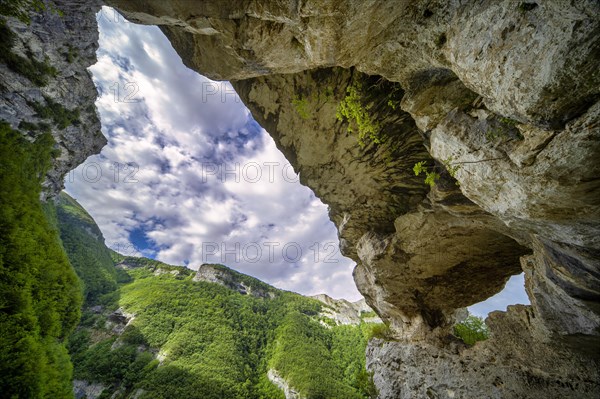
(189, 177)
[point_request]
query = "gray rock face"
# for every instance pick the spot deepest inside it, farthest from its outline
(505, 92)
(86, 390)
(366, 188)
(488, 369)
(489, 45)
(343, 312)
(68, 42)
(245, 285)
(387, 222)
(289, 392)
(118, 320)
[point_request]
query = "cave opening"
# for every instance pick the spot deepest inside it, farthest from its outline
(513, 293)
(190, 176)
(206, 182)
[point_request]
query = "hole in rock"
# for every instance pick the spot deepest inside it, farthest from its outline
(513, 293)
(188, 177)
(525, 6)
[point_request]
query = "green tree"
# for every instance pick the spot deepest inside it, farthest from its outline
(83, 241)
(471, 330)
(40, 294)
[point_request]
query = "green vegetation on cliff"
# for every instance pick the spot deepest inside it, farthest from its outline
(215, 342)
(84, 243)
(36, 71)
(368, 102)
(358, 115)
(21, 9)
(55, 112)
(321, 362)
(471, 330)
(40, 294)
(212, 340)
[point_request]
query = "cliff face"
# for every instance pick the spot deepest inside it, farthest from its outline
(507, 93)
(343, 312)
(56, 92)
(245, 285)
(526, 198)
(47, 119)
(385, 214)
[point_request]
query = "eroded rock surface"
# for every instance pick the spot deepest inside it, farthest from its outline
(343, 312)
(65, 37)
(245, 285)
(282, 384)
(86, 390)
(504, 92)
(522, 57)
(383, 213)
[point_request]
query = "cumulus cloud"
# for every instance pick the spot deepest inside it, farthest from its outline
(189, 177)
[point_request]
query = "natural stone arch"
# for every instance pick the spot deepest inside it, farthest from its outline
(424, 47)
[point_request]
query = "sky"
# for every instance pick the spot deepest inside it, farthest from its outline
(188, 177)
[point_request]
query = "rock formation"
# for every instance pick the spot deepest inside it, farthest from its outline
(86, 390)
(343, 312)
(504, 92)
(501, 98)
(282, 384)
(64, 38)
(245, 285)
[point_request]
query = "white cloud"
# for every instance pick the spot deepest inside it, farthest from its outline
(208, 176)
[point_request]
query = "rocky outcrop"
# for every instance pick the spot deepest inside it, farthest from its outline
(343, 312)
(506, 95)
(383, 212)
(117, 321)
(87, 390)
(482, 43)
(245, 285)
(65, 38)
(282, 384)
(516, 363)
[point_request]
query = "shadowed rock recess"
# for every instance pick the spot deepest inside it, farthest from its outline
(508, 94)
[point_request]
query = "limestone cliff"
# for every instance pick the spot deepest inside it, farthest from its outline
(282, 384)
(56, 91)
(507, 94)
(244, 284)
(343, 312)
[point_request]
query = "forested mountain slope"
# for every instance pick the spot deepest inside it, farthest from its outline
(152, 330)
